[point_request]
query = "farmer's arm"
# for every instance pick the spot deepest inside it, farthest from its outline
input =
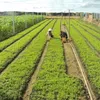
(61, 35)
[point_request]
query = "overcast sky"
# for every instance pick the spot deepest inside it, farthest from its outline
(50, 5)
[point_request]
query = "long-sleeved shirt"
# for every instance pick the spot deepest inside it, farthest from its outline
(63, 34)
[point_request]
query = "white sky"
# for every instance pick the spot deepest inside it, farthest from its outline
(50, 5)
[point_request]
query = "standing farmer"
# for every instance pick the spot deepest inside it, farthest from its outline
(49, 34)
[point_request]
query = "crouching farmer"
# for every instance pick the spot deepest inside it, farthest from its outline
(49, 34)
(64, 37)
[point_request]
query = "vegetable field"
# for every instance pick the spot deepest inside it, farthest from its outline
(87, 42)
(32, 68)
(21, 22)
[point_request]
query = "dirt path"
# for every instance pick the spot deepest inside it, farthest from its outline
(72, 65)
(75, 67)
(91, 95)
(35, 74)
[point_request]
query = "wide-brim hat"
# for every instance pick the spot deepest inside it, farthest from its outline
(50, 30)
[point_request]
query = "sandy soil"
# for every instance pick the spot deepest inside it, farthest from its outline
(72, 66)
(76, 69)
(62, 17)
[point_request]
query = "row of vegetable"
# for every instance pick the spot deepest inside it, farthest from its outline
(10, 53)
(89, 59)
(15, 38)
(93, 40)
(21, 59)
(14, 79)
(52, 82)
(6, 24)
(89, 30)
(89, 25)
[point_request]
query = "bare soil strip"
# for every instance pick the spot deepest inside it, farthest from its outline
(72, 65)
(34, 76)
(75, 67)
(50, 16)
(85, 78)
